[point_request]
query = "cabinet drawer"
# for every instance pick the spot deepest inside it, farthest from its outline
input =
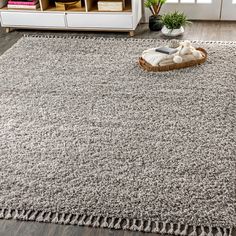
(30, 19)
(100, 20)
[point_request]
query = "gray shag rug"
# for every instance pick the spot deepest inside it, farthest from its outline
(88, 138)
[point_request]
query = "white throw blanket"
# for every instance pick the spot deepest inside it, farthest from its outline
(154, 58)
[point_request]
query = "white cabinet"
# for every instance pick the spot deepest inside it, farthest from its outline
(83, 17)
(31, 19)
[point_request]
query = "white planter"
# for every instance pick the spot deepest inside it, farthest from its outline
(172, 32)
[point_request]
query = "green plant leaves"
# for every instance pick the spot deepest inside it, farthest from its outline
(154, 5)
(174, 20)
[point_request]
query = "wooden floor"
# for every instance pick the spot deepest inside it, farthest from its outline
(210, 31)
(201, 30)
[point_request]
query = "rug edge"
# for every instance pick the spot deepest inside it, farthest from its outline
(102, 38)
(99, 221)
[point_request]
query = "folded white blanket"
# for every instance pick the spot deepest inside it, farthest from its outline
(153, 57)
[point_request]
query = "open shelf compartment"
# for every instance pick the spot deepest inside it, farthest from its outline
(52, 5)
(78, 6)
(92, 6)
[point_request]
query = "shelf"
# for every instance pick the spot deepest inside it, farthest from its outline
(50, 6)
(95, 9)
(20, 9)
(92, 7)
(74, 8)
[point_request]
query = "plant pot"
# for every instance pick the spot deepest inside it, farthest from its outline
(155, 23)
(172, 32)
(3, 3)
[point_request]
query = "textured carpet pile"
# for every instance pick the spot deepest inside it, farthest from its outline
(88, 138)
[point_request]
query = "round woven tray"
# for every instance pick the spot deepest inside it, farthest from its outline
(148, 67)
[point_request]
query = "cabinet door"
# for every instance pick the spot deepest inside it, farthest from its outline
(33, 19)
(100, 21)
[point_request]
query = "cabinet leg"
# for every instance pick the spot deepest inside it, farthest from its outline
(8, 30)
(131, 33)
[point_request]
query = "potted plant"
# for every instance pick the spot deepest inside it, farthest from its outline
(155, 8)
(174, 23)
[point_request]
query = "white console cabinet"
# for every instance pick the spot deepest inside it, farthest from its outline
(83, 16)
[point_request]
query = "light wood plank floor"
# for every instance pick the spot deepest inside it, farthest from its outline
(210, 31)
(200, 30)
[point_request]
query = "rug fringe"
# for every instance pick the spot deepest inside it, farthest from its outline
(104, 224)
(127, 225)
(75, 220)
(48, 218)
(82, 220)
(148, 227)
(8, 215)
(163, 231)
(2, 214)
(171, 229)
(33, 216)
(97, 222)
(40, 217)
(142, 225)
(98, 38)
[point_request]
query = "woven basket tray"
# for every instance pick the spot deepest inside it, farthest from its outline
(148, 67)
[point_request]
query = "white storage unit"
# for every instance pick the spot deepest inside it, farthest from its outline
(80, 17)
